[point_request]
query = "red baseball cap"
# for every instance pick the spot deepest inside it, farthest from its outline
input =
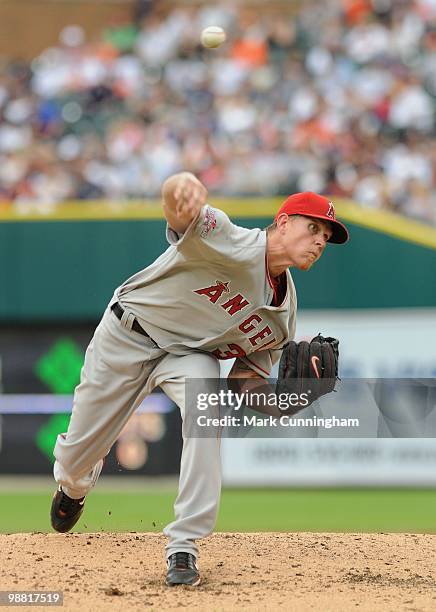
(311, 204)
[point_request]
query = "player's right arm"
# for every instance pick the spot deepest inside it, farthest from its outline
(183, 197)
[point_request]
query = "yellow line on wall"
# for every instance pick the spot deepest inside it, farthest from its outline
(389, 223)
(386, 222)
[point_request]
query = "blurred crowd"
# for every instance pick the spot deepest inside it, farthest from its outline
(336, 97)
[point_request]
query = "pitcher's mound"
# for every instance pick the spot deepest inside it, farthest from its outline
(244, 571)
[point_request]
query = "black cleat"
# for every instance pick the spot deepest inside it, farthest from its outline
(182, 569)
(65, 512)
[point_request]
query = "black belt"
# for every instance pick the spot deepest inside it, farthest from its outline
(119, 311)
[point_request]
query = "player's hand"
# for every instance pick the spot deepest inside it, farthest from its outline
(183, 197)
(190, 196)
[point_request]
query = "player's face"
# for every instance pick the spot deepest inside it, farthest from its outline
(304, 240)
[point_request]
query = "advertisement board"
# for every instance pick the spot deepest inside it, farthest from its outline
(40, 367)
(398, 343)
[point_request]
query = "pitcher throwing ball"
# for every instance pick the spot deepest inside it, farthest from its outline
(218, 292)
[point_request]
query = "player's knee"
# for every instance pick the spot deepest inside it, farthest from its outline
(203, 366)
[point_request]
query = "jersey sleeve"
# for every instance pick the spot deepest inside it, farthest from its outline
(262, 362)
(177, 238)
(212, 235)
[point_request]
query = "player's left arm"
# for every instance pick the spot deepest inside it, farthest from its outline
(242, 379)
(241, 370)
(262, 362)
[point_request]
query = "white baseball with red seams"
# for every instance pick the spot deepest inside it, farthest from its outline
(213, 37)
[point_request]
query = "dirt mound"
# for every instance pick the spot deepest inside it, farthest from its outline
(250, 571)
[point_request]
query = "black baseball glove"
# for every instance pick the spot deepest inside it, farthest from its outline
(309, 369)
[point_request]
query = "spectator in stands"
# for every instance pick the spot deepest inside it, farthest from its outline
(338, 98)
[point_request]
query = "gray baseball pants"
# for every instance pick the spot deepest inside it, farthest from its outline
(121, 367)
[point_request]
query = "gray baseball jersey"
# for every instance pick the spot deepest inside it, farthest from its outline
(208, 296)
(211, 291)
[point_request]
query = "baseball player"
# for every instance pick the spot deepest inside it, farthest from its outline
(218, 292)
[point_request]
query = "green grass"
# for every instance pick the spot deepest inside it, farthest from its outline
(362, 510)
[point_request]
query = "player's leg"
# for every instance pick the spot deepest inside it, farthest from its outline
(117, 364)
(197, 503)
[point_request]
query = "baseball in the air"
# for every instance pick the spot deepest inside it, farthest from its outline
(212, 37)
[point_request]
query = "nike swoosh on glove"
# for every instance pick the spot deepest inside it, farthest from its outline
(309, 369)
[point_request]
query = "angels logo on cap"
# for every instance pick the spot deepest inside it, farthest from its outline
(331, 211)
(309, 204)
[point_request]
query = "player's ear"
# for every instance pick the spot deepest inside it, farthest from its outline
(282, 221)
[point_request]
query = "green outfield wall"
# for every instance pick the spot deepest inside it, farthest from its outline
(65, 266)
